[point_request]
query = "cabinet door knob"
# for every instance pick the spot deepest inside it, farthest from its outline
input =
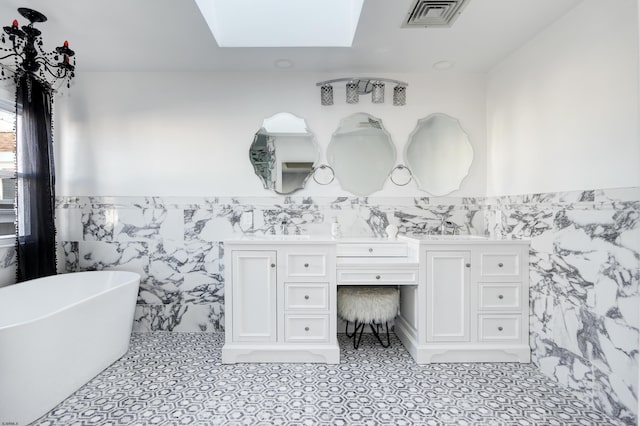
(499, 328)
(377, 277)
(273, 265)
(306, 329)
(468, 265)
(306, 265)
(500, 296)
(306, 297)
(370, 250)
(500, 265)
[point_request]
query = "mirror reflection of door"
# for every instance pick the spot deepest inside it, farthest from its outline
(284, 153)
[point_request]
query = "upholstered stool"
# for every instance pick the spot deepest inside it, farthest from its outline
(364, 305)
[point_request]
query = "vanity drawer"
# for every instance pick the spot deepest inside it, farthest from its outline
(306, 296)
(306, 265)
(366, 276)
(499, 327)
(505, 296)
(372, 250)
(306, 328)
(499, 264)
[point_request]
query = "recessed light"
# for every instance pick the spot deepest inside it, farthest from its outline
(283, 63)
(443, 65)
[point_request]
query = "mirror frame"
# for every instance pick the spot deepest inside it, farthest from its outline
(423, 185)
(348, 187)
(316, 160)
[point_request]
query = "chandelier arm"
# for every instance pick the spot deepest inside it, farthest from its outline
(10, 55)
(56, 74)
(43, 53)
(44, 61)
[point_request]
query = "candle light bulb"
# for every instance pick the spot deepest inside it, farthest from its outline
(15, 23)
(66, 43)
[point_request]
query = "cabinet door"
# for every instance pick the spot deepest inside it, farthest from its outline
(448, 296)
(254, 296)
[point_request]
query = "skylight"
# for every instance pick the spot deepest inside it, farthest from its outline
(282, 23)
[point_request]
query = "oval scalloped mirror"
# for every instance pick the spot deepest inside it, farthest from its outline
(284, 153)
(439, 154)
(361, 153)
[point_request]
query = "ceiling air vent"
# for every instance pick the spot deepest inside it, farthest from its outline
(433, 13)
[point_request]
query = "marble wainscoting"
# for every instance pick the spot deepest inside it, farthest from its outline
(176, 243)
(8, 265)
(584, 297)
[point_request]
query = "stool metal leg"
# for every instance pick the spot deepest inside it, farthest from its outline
(346, 329)
(375, 333)
(356, 339)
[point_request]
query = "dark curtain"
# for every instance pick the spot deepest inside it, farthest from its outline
(36, 235)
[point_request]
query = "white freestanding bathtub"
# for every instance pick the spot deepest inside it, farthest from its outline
(58, 332)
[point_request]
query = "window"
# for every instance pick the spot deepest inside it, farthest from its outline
(7, 169)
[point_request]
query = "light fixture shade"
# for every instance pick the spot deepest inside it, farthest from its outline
(377, 93)
(326, 94)
(352, 92)
(399, 95)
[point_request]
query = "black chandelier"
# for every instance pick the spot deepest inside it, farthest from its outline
(25, 47)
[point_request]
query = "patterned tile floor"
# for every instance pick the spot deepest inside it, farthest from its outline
(177, 379)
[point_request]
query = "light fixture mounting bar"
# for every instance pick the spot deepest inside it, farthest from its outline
(337, 80)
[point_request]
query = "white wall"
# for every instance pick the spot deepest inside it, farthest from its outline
(7, 90)
(562, 110)
(189, 133)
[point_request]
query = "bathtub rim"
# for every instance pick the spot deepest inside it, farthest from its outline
(134, 277)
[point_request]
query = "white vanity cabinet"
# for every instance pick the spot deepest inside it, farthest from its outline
(462, 299)
(253, 313)
(476, 298)
(280, 296)
(447, 300)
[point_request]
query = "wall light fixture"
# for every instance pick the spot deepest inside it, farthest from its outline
(356, 86)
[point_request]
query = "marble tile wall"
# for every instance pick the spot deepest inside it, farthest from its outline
(8, 265)
(584, 297)
(176, 243)
(585, 263)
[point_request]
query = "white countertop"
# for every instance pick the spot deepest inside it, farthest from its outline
(280, 239)
(324, 239)
(464, 239)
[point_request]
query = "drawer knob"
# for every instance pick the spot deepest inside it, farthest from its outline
(306, 329)
(500, 265)
(273, 265)
(500, 296)
(468, 265)
(306, 297)
(306, 265)
(377, 277)
(370, 250)
(499, 328)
